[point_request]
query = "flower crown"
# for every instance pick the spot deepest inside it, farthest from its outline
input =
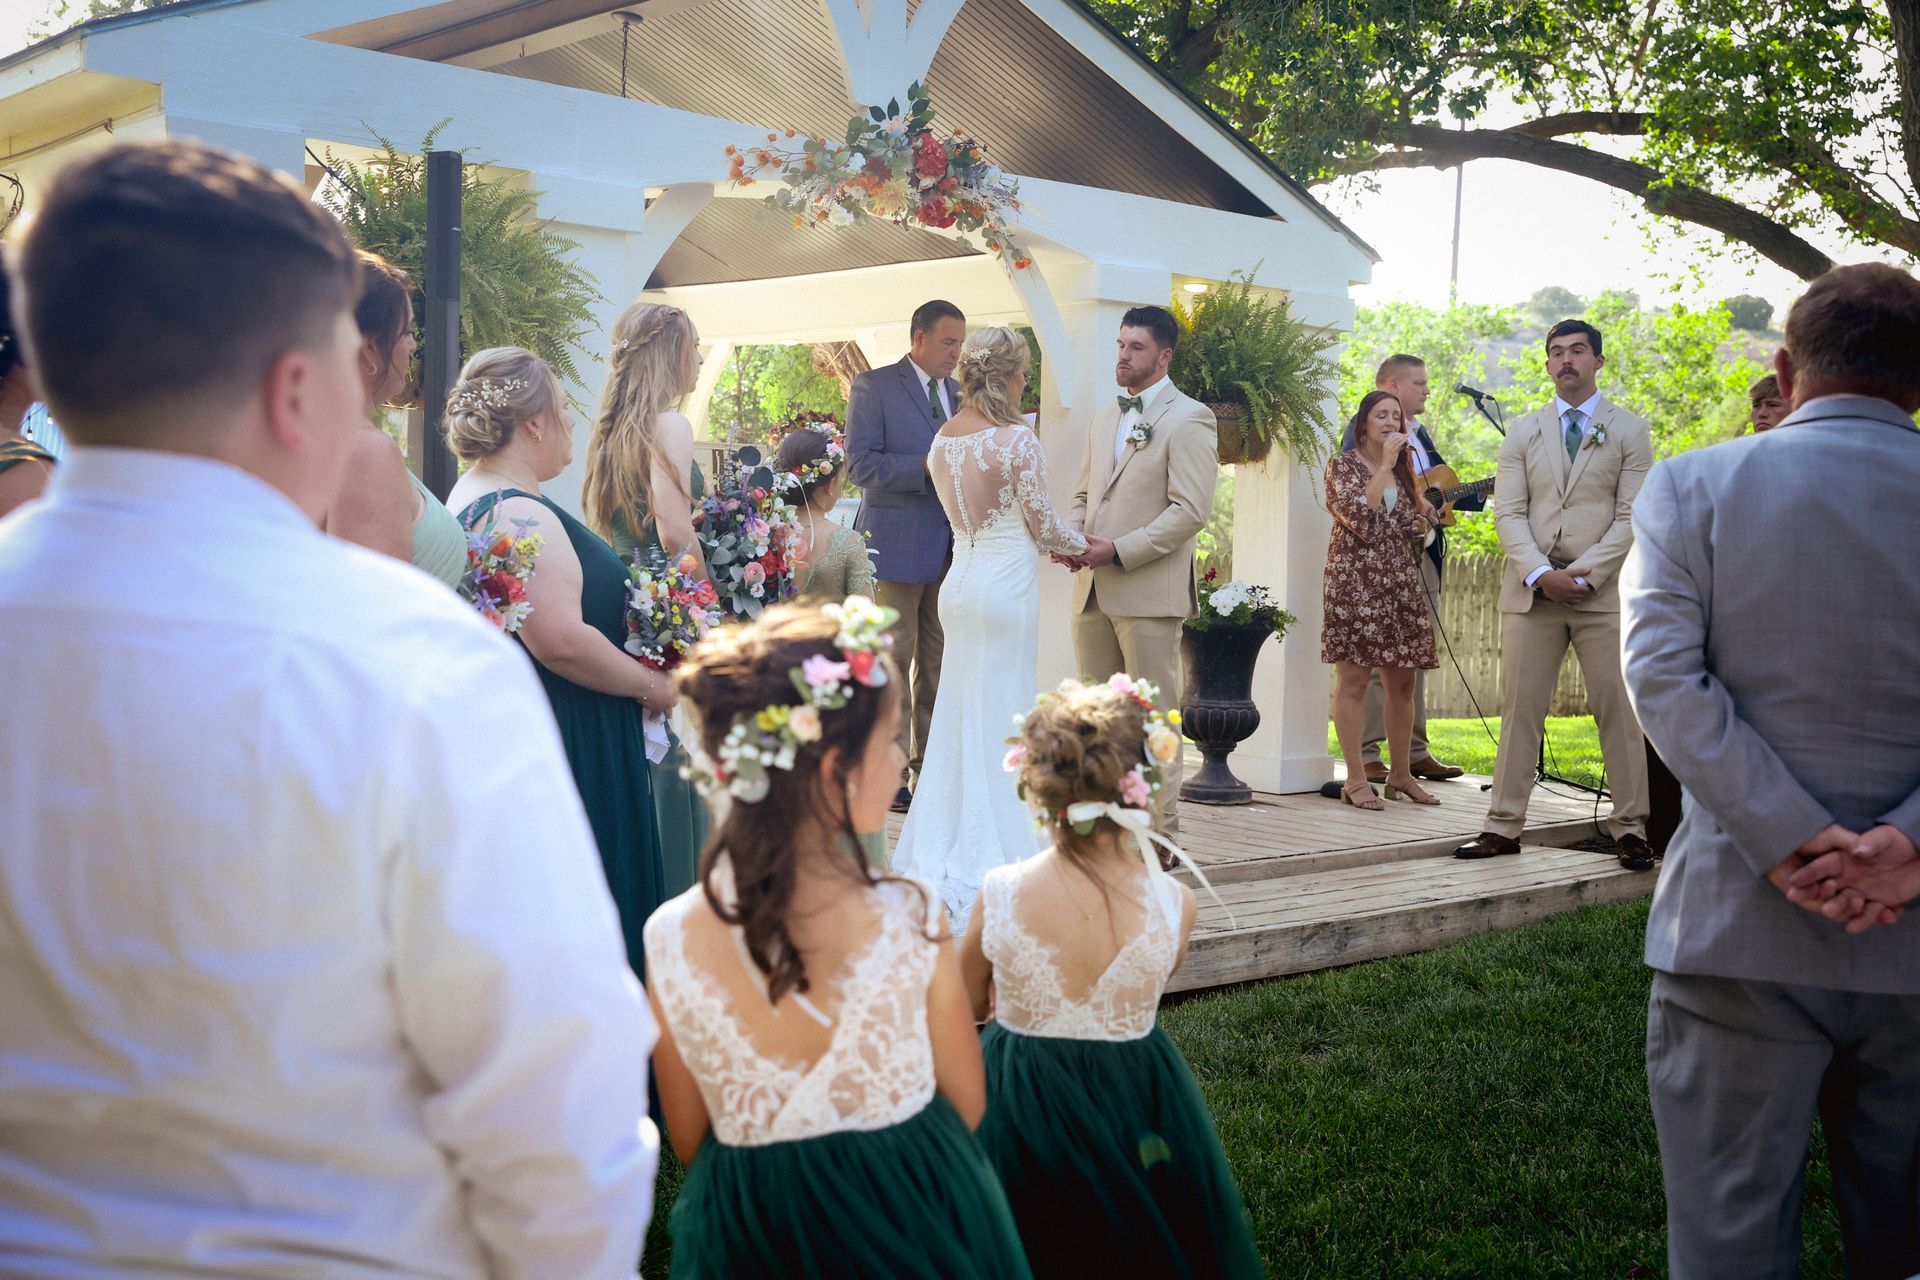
(476, 394)
(1140, 784)
(772, 737)
(823, 466)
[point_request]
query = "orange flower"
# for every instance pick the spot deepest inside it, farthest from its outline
(761, 157)
(789, 133)
(774, 137)
(729, 148)
(1021, 264)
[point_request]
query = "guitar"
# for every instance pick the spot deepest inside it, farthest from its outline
(1443, 488)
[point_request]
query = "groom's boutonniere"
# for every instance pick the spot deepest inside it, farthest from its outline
(1139, 434)
(1595, 438)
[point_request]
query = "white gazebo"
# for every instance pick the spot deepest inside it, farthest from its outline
(619, 113)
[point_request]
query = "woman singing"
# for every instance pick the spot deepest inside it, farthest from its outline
(1376, 607)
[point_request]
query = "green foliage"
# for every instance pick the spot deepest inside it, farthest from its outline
(1749, 311)
(519, 285)
(1553, 303)
(1670, 367)
(62, 14)
(1791, 107)
(1213, 545)
(1453, 341)
(766, 385)
(1238, 347)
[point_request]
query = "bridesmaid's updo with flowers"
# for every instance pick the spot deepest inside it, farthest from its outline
(789, 709)
(500, 388)
(989, 362)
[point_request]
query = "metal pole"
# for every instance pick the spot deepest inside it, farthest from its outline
(440, 354)
(1459, 187)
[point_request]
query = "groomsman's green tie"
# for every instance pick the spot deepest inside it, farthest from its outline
(933, 399)
(1574, 419)
(1129, 402)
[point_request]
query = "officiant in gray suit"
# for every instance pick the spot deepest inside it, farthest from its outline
(892, 415)
(1771, 643)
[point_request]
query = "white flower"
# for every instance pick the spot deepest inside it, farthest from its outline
(840, 216)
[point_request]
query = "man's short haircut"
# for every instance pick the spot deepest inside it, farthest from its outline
(166, 271)
(1767, 388)
(1566, 327)
(1157, 321)
(1859, 326)
(929, 314)
(1394, 365)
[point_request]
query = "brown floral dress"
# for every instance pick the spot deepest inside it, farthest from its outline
(1376, 609)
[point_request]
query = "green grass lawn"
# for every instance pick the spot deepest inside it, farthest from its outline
(1573, 746)
(1475, 1111)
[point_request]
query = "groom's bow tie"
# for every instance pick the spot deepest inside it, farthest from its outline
(1130, 402)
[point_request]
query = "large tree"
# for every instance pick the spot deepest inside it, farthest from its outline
(1759, 121)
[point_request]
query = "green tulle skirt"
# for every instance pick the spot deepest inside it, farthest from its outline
(682, 819)
(1110, 1160)
(917, 1200)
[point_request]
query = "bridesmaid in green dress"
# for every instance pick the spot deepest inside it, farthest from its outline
(382, 505)
(641, 487)
(818, 1068)
(508, 418)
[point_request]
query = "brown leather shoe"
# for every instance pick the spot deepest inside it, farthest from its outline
(1376, 772)
(1488, 844)
(1433, 771)
(1635, 854)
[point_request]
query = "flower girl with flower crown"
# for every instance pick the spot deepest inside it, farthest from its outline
(1094, 1121)
(817, 1062)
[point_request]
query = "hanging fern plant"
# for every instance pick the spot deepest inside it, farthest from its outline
(519, 284)
(1260, 369)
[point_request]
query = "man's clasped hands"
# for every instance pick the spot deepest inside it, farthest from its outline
(1855, 880)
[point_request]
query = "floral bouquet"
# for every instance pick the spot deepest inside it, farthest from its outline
(751, 536)
(891, 165)
(668, 610)
(1237, 602)
(499, 566)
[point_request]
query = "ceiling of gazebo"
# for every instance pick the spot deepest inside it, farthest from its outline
(734, 240)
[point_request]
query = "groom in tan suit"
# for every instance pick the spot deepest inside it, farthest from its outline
(1563, 504)
(1145, 490)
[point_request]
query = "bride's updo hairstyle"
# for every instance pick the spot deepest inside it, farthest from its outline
(732, 676)
(988, 362)
(499, 389)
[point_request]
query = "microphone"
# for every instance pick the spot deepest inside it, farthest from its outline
(1465, 390)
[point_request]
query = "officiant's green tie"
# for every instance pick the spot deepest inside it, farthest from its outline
(1574, 419)
(933, 399)
(1130, 402)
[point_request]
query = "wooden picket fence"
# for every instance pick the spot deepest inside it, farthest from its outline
(1470, 626)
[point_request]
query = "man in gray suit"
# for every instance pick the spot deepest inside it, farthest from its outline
(892, 415)
(1771, 640)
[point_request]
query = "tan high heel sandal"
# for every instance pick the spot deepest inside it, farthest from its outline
(1401, 793)
(1372, 803)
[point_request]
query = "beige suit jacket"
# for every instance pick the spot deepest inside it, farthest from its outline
(1151, 504)
(1580, 512)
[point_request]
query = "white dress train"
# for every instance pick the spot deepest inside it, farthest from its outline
(967, 818)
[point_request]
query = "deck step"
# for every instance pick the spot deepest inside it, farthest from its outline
(1320, 919)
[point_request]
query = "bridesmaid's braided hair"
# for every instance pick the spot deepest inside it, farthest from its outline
(737, 671)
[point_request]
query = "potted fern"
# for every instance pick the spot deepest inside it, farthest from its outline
(1259, 368)
(519, 284)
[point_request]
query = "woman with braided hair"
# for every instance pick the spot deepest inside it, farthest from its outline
(641, 488)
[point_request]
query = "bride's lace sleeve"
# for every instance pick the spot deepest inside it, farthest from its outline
(1029, 465)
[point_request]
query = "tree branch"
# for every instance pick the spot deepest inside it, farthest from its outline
(1432, 145)
(1617, 123)
(1905, 15)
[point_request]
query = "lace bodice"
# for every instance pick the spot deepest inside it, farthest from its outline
(997, 480)
(1028, 987)
(878, 1067)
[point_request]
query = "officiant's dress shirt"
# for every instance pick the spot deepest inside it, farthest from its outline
(307, 963)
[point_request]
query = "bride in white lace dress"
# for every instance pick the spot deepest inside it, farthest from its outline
(991, 476)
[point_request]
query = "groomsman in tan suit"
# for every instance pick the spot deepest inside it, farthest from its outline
(1145, 490)
(1563, 504)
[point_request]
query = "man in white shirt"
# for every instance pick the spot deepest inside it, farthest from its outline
(1563, 505)
(307, 961)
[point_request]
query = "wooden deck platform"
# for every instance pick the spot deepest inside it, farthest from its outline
(1313, 884)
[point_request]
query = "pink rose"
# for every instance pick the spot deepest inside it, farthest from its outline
(754, 576)
(820, 671)
(1121, 682)
(1016, 756)
(1134, 791)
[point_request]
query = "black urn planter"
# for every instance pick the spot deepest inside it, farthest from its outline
(1217, 711)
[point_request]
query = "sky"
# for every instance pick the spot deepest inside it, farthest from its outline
(1522, 228)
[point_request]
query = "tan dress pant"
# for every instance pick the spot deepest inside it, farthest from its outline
(918, 643)
(1376, 702)
(1532, 645)
(1148, 649)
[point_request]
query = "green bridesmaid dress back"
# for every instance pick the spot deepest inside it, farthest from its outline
(1094, 1122)
(851, 1166)
(604, 734)
(679, 811)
